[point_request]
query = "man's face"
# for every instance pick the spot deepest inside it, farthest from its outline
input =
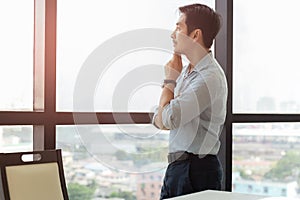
(179, 36)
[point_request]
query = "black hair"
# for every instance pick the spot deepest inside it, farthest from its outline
(199, 16)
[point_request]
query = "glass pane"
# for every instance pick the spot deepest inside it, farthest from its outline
(265, 56)
(16, 138)
(266, 159)
(128, 74)
(113, 160)
(16, 50)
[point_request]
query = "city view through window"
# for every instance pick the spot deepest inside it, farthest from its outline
(133, 169)
(265, 155)
(266, 159)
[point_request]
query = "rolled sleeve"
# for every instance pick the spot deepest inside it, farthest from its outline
(154, 116)
(168, 117)
(195, 99)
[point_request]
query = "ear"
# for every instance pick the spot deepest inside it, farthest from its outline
(197, 35)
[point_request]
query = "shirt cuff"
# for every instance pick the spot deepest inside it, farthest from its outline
(166, 116)
(153, 118)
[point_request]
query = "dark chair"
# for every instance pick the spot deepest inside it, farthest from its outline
(40, 178)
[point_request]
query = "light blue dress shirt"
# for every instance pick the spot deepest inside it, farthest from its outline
(197, 113)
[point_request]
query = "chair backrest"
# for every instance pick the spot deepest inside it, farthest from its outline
(41, 178)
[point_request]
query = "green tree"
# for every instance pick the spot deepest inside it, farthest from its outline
(244, 175)
(287, 167)
(123, 194)
(80, 192)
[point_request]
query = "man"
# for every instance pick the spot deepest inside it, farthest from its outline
(193, 105)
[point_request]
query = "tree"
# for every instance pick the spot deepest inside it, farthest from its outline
(123, 194)
(80, 192)
(287, 167)
(245, 175)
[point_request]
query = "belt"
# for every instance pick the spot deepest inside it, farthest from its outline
(183, 155)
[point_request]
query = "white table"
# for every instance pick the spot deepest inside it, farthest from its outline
(222, 195)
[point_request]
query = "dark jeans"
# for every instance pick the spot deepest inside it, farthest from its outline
(192, 175)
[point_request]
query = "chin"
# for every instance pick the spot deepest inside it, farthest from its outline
(178, 51)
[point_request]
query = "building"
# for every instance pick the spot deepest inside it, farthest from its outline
(267, 188)
(149, 186)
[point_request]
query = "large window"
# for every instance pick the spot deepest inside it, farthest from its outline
(51, 99)
(265, 105)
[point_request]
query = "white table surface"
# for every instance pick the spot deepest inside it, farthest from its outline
(222, 195)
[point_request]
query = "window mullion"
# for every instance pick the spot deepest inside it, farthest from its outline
(223, 52)
(50, 73)
(44, 86)
(39, 71)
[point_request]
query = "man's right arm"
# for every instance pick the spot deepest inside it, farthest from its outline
(172, 71)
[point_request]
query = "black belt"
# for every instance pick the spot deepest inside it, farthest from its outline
(183, 155)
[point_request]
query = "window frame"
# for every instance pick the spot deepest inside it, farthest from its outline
(44, 117)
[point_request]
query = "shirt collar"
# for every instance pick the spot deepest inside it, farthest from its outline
(204, 62)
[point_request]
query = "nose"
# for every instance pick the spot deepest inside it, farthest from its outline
(173, 35)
